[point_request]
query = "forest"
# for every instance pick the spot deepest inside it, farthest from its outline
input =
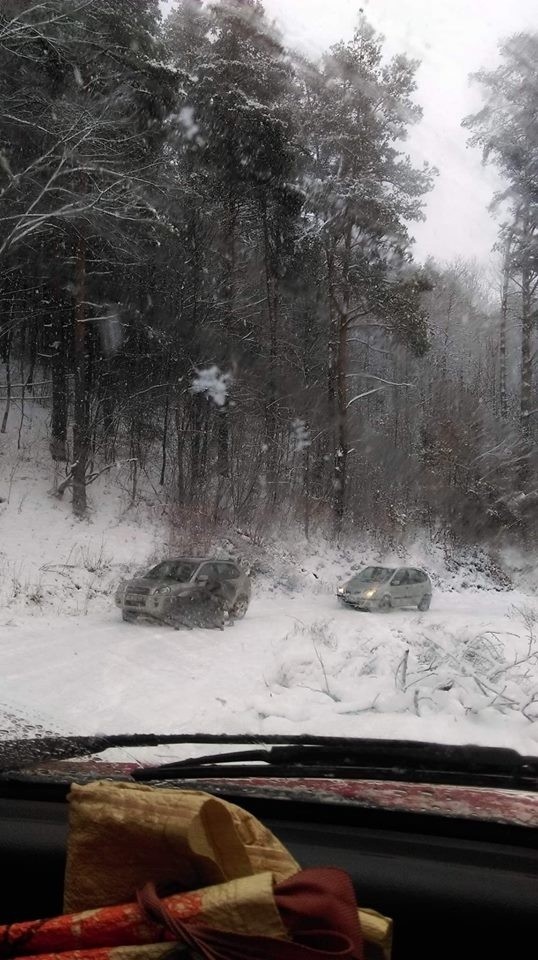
(207, 274)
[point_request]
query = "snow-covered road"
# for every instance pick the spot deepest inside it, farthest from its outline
(464, 671)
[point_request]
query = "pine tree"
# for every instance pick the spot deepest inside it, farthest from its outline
(363, 189)
(506, 129)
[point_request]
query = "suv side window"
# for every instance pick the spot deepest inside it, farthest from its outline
(420, 577)
(399, 578)
(208, 570)
(227, 571)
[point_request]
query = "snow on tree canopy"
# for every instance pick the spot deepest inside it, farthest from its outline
(214, 383)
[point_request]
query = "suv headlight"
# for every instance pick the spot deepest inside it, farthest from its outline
(340, 591)
(161, 591)
(370, 593)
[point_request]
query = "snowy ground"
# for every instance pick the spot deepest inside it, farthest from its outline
(299, 663)
(292, 666)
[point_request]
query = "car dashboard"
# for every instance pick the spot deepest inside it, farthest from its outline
(453, 887)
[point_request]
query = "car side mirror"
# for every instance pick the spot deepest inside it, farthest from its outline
(202, 579)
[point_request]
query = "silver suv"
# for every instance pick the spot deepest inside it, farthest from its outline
(159, 593)
(380, 588)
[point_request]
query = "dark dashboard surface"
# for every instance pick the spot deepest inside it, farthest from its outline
(453, 888)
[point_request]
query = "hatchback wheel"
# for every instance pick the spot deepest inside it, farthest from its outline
(385, 603)
(239, 610)
(425, 603)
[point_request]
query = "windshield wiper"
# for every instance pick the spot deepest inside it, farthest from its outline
(294, 757)
(403, 760)
(19, 753)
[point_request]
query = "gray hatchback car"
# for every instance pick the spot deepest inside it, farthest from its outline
(380, 588)
(159, 592)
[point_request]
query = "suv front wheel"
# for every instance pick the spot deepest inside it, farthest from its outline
(240, 608)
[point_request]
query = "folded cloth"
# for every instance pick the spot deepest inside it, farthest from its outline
(312, 915)
(122, 835)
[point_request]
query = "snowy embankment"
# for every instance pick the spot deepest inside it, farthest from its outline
(299, 663)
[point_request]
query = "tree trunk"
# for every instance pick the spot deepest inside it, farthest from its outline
(332, 336)
(526, 351)
(223, 442)
(271, 292)
(306, 492)
(180, 468)
(32, 337)
(526, 373)
(341, 453)
(195, 426)
(81, 413)
(108, 428)
(164, 438)
(7, 361)
(503, 398)
(223, 425)
(59, 412)
(527, 324)
(342, 448)
(135, 447)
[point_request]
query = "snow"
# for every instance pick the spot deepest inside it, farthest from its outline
(190, 127)
(466, 671)
(300, 435)
(214, 383)
(293, 665)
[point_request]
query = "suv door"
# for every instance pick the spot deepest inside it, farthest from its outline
(208, 571)
(230, 576)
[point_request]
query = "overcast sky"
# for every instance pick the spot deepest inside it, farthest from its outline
(451, 38)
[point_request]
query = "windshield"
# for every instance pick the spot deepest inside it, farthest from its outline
(179, 570)
(269, 297)
(372, 575)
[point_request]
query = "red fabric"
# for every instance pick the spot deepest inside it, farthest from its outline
(317, 907)
(320, 899)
